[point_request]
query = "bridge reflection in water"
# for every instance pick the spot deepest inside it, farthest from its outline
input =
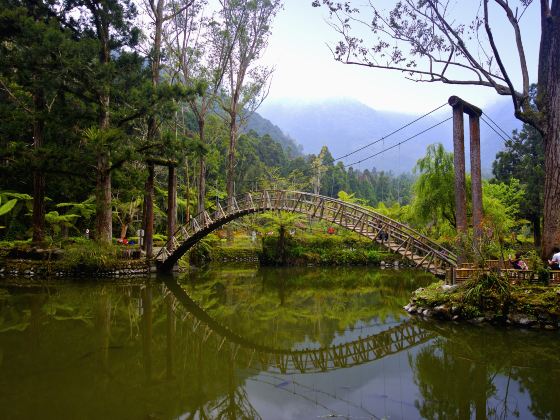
(288, 361)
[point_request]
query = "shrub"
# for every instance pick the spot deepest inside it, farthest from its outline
(89, 256)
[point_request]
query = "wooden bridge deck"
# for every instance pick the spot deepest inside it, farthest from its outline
(395, 236)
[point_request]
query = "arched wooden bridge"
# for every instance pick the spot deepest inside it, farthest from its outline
(395, 236)
(287, 361)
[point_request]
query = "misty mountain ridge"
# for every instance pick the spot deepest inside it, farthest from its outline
(344, 125)
(263, 126)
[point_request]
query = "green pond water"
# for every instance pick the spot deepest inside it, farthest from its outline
(234, 343)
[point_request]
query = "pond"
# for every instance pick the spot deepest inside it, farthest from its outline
(271, 343)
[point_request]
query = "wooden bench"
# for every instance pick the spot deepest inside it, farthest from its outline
(554, 277)
(514, 276)
(519, 276)
(463, 274)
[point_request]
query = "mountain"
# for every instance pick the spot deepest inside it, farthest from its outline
(345, 125)
(262, 126)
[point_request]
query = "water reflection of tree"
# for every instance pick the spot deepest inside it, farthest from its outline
(450, 386)
(541, 376)
(109, 349)
(457, 373)
(235, 404)
(279, 308)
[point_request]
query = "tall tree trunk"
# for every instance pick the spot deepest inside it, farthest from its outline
(230, 176)
(201, 171)
(200, 207)
(551, 231)
(103, 214)
(171, 201)
(39, 184)
(549, 95)
(281, 248)
(537, 233)
(149, 199)
(231, 160)
(124, 230)
(187, 192)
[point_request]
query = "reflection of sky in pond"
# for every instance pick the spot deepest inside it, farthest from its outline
(381, 389)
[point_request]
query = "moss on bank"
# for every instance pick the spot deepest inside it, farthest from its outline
(487, 300)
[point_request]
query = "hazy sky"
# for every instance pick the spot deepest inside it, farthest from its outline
(305, 68)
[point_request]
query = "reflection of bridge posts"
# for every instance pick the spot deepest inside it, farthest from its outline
(103, 324)
(36, 316)
(170, 335)
(147, 330)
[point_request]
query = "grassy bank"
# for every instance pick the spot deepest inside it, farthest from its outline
(490, 299)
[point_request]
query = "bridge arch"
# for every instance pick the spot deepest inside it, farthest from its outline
(395, 236)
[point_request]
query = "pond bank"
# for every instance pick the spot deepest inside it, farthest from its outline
(42, 268)
(527, 306)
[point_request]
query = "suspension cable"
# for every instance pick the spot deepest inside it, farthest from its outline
(391, 133)
(494, 130)
(494, 122)
(397, 144)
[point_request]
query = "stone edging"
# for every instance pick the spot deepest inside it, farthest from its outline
(32, 268)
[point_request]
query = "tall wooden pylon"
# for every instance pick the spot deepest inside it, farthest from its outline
(459, 107)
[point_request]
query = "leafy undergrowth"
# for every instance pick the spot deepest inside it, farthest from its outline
(326, 250)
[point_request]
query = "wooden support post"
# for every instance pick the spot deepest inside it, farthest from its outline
(476, 177)
(459, 162)
(460, 106)
(171, 202)
(149, 200)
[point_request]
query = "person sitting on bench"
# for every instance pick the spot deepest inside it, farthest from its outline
(518, 263)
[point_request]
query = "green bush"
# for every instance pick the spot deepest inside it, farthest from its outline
(325, 250)
(488, 291)
(89, 256)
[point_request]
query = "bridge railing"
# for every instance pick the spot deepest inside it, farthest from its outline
(401, 230)
(314, 206)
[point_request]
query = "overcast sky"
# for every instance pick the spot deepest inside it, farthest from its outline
(305, 68)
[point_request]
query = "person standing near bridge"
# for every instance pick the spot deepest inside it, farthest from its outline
(554, 263)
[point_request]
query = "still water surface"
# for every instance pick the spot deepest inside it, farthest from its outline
(261, 343)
